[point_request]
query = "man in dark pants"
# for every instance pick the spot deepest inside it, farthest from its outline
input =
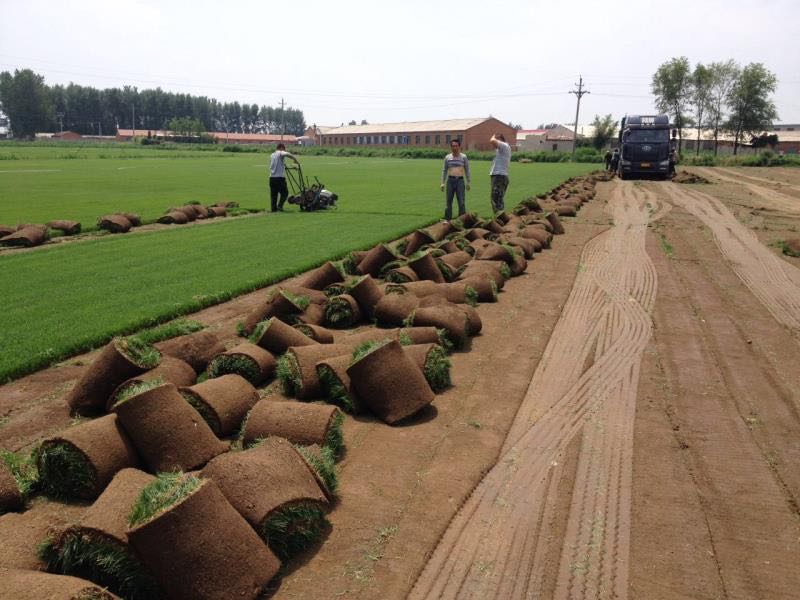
(499, 171)
(277, 177)
(454, 172)
(607, 159)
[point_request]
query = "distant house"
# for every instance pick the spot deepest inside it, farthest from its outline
(66, 135)
(4, 126)
(313, 135)
(550, 138)
(473, 134)
(222, 137)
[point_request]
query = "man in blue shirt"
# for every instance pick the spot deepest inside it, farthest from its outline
(499, 171)
(277, 176)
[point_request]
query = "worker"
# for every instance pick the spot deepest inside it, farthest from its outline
(615, 160)
(607, 159)
(455, 175)
(499, 171)
(673, 160)
(277, 176)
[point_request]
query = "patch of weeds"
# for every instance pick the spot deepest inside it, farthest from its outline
(324, 463)
(291, 529)
(666, 246)
(100, 560)
(64, 471)
(168, 330)
(240, 329)
(288, 373)
(474, 424)
(437, 369)
(335, 390)
(237, 364)
(167, 490)
(24, 470)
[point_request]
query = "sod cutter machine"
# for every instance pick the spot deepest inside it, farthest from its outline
(308, 196)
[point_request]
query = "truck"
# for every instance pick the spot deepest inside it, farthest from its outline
(645, 146)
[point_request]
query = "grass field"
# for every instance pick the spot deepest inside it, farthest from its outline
(66, 298)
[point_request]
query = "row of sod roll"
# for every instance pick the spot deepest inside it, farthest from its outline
(207, 459)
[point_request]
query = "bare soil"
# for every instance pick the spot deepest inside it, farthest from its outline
(625, 426)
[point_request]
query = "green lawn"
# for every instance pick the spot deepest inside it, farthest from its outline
(66, 298)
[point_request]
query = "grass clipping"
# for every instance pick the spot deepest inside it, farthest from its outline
(100, 560)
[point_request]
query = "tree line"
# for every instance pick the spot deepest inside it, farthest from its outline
(33, 106)
(721, 96)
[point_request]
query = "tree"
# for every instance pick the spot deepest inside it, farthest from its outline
(186, 127)
(702, 80)
(353, 122)
(604, 131)
(25, 98)
(364, 122)
(723, 78)
(671, 85)
(751, 109)
(764, 140)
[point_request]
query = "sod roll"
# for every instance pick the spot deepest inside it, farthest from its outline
(555, 222)
(425, 267)
(276, 336)
(342, 312)
(335, 381)
(433, 362)
(201, 547)
(278, 303)
(167, 432)
(389, 383)
(223, 401)
(20, 584)
(375, 259)
(10, 495)
(367, 293)
(170, 370)
(318, 333)
(298, 422)
(322, 276)
(303, 360)
(394, 309)
(65, 226)
(448, 317)
(246, 359)
(81, 461)
(401, 275)
(313, 315)
(114, 223)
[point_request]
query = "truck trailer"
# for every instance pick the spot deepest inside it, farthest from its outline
(645, 146)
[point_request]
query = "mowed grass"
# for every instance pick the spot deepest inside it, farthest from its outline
(67, 298)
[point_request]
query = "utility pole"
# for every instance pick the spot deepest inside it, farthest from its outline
(133, 120)
(579, 94)
(61, 121)
(283, 120)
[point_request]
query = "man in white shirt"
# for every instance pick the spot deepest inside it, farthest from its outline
(277, 176)
(499, 171)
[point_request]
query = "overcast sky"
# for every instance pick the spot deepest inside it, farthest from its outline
(404, 60)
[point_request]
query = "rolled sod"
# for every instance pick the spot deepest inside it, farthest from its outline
(389, 383)
(81, 461)
(555, 222)
(119, 360)
(6, 230)
(446, 270)
(476, 234)
(446, 316)
(342, 312)
(277, 303)
(167, 433)
(323, 463)
(367, 293)
(217, 211)
(10, 495)
(223, 402)
(485, 268)
(321, 277)
(335, 381)
(519, 266)
(537, 220)
(196, 545)
(455, 260)
(564, 209)
(417, 240)
(401, 275)
(65, 226)
(25, 237)
(394, 309)
(189, 211)
(201, 211)
(276, 336)
(449, 246)
(468, 219)
(297, 368)
(248, 360)
(196, 349)
(495, 251)
(432, 360)
(529, 246)
(268, 485)
(97, 546)
(170, 370)
(438, 231)
(174, 217)
(425, 267)
(298, 422)
(114, 223)
(375, 259)
(21, 584)
(301, 293)
(315, 332)
(313, 315)
(484, 287)
(534, 232)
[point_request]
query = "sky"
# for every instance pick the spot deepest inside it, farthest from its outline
(410, 60)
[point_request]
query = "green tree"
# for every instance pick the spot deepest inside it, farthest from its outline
(605, 129)
(723, 77)
(671, 86)
(701, 96)
(186, 127)
(25, 98)
(751, 108)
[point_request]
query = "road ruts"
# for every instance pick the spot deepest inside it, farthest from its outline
(541, 524)
(747, 176)
(774, 199)
(775, 282)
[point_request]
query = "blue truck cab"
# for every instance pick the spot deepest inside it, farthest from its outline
(645, 146)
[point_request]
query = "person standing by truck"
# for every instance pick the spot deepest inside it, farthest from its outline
(615, 160)
(278, 189)
(499, 171)
(455, 175)
(607, 159)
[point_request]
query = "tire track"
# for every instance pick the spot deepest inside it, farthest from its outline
(499, 544)
(737, 174)
(775, 282)
(775, 200)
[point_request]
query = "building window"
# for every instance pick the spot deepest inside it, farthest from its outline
(438, 140)
(447, 138)
(416, 139)
(391, 139)
(383, 139)
(555, 147)
(427, 139)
